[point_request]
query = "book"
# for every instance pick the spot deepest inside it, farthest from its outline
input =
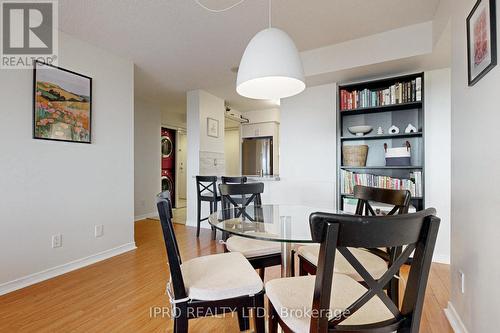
(348, 179)
(398, 93)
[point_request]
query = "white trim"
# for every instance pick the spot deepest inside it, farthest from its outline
(146, 216)
(454, 319)
(441, 258)
(62, 269)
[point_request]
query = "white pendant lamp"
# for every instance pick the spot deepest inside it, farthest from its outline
(270, 67)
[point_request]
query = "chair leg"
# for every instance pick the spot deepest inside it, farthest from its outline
(393, 291)
(259, 314)
(199, 219)
(272, 319)
(302, 270)
(181, 321)
(292, 262)
(212, 210)
(262, 272)
(243, 320)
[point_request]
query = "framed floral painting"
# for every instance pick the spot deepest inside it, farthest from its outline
(481, 40)
(62, 104)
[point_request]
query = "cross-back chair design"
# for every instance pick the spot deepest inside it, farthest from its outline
(209, 285)
(260, 254)
(235, 180)
(375, 259)
(400, 199)
(338, 303)
(206, 189)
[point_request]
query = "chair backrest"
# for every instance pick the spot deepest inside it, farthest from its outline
(164, 206)
(252, 191)
(417, 231)
(234, 180)
(206, 186)
(400, 199)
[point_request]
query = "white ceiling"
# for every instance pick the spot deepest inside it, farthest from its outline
(178, 46)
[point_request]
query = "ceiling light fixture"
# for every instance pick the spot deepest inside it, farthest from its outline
(270, 67)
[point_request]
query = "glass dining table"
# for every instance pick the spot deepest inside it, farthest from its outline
(286, 224)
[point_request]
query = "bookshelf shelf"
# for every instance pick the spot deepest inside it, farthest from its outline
(381, 136)
(406, 93)
(382, 167)
(347, 195)
(383, 108)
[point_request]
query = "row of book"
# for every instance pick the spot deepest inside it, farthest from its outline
(404, 92)
(349, 179)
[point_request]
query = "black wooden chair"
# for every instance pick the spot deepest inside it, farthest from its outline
(260, 253)
(234, 180)
(375, 260)
(209, 285)
(337, 302)
(206, 189)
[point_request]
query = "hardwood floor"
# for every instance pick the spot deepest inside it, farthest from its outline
(119, 294)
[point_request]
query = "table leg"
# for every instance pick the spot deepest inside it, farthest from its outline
(286, 247)
(286, 259)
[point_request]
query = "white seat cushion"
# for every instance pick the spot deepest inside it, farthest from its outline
(375, 265)
(251, 248)
(293, 297)
(220, 276)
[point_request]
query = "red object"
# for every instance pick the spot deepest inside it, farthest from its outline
(168, 161)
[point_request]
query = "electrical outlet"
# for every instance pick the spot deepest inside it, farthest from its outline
(99, 230)
(56, 241)
(462, 281)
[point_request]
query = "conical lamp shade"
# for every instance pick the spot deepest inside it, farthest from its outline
(270, 67)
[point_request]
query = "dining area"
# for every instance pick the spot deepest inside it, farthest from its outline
(340, 271)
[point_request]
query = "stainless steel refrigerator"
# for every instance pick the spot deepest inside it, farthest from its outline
(257, 156)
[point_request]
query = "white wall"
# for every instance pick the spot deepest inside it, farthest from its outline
(438, 155)
(173, 119)
(205, 154)
(260, 116)
(232, 151)
(147, 157)
(377, 48)
(307, 150)
(56, 187)
(475, 183)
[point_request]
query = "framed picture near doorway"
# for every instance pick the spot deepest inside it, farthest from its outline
(62, 104)
(481, 40)
(213, 127)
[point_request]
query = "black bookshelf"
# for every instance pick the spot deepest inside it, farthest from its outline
(399, 114)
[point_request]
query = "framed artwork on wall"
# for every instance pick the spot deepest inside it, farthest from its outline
(481, 40)
(62, 104)
(213, 127)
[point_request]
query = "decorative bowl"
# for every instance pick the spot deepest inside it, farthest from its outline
(360, 130)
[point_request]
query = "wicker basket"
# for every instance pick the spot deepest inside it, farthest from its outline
(354, 155)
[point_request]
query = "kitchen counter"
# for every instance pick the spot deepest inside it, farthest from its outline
(263, 178)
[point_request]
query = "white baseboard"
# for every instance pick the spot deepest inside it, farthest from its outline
(146, 216)
(62, 269)
(454, 319)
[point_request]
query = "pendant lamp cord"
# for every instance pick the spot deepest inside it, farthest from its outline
(218, 10)
(232, 6)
